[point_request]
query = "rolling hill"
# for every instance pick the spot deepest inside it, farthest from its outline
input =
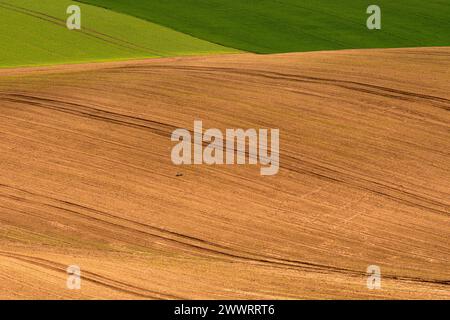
(269, 26)
(38, 36)
(86, 178)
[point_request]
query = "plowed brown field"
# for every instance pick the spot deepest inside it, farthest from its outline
(86, 178)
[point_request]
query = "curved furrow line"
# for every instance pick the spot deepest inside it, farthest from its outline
(335, 173)
(198, 246)
(217, 249)
(365, 87)
(90, 277)
(86, 31)
(92, 113)
(165, 130)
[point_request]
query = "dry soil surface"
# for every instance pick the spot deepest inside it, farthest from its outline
(86, 178)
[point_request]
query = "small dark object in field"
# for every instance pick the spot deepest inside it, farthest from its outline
(179, 174)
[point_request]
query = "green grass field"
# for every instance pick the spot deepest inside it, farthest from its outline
(35, 33)
(269, 26)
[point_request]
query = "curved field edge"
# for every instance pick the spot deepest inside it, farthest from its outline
(291, 26)
(38, 36)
